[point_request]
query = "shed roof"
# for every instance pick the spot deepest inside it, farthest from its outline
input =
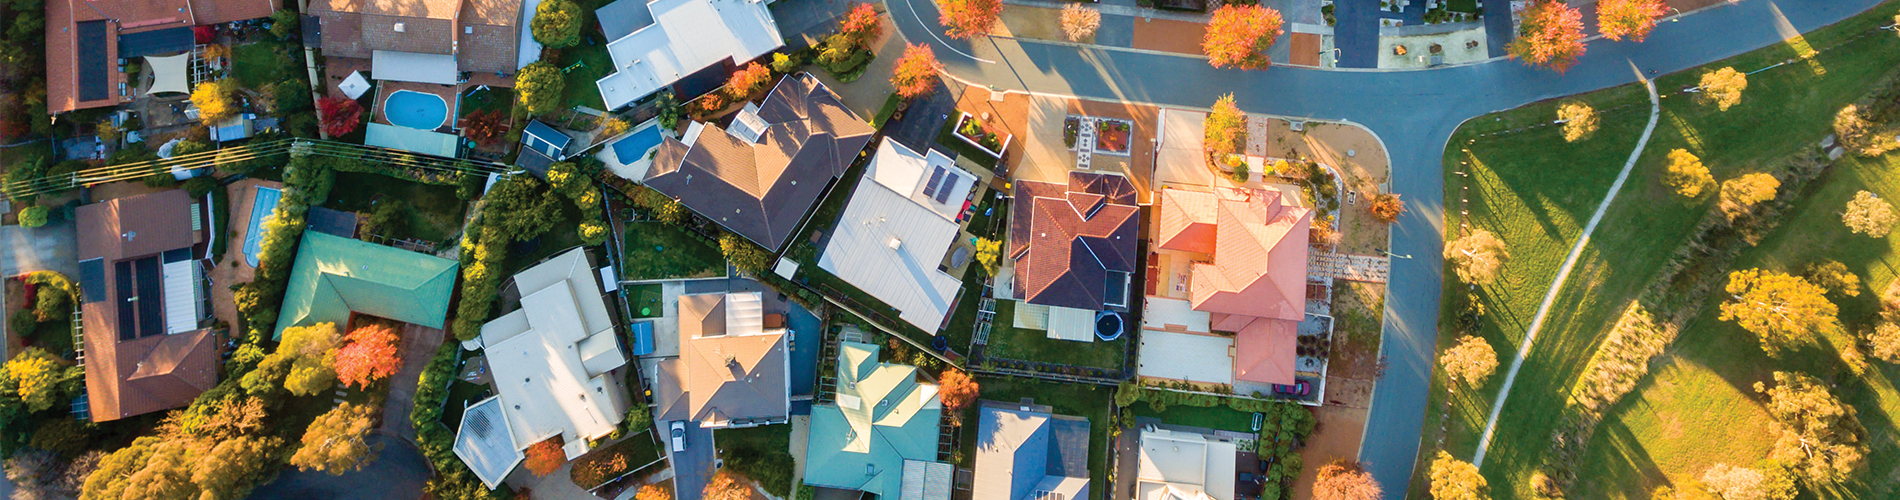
(334, 276)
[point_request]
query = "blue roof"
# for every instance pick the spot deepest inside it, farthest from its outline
(546, 134)
(642, 338)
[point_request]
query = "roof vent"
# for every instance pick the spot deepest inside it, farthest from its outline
(468, 29)
(399, 28)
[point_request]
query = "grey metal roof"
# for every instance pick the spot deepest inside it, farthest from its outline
(1023, 449)
(485, 443)
(624, 17)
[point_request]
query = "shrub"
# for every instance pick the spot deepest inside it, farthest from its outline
(557, 23)
(1080, 22)
(1686, 174)
(35, 216)
(1580, 120)
(1722, 88)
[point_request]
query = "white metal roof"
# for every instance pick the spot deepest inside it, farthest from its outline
(1203, 358)
(686, 36)
(182, 295)
(890, 246)
(552, 358)
(485, 443)
(922, 177)
(926, 480)
(414, 67)
(1068, 323)
(1185, 465)
(409, 139)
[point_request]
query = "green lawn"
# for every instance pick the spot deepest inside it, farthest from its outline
(1462, 5)
(1219, 417)
(258, 64)
(762, 453)
(594, 62)
(1006, 341)
(645, 296)
(1536, 191)
(492, 99)
(1092, 402)
(434, 211)
(657, 250)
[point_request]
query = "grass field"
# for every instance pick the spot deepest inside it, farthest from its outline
(1087, 401)
(1006, 341)
(595, 63)
(761, 453)
(659, 251)
(1536, 191)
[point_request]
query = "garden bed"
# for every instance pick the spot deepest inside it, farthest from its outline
(613, 461)
(974, 132)
(1113, 136)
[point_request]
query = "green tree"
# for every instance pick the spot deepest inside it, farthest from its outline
(1469, 362)
(593, 232)
(1477, 258)
(744, 255)
(785, 63)
(1868, 214)
(283, 24)
(336, 442)
(1819, 437)
(1225, 128)
(557, 23)
(38, 377)
(312, 350)
(538, 87)
(1833, 276)
(519, 208)
(1741, 194)
(1686, 174)
(1454, 479)
(35, 216)
(659, 206)
(1783, 310)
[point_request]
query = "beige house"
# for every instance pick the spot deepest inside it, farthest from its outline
(732, 370)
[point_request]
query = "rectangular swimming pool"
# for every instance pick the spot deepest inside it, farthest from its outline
(261, 207)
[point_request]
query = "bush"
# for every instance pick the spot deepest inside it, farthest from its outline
(35, 216)
(557, 23)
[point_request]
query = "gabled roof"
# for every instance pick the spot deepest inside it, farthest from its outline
(730, 368)
(135, 226)
(763, 190)
(1024, 452)
(1259, 242)
(1066, 239)
(483, 35)
(334, 276)
(882, 417)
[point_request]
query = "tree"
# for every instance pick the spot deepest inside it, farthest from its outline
(783, 63)
(341, 115)
(336, 442)
(957, 390)
(592, 232)
(557, 23)
(1454, 479)
(1833, 276)
(653, 492)
(312, 353)
(1861, 136)
(1549, 34)
(1868, 214)
(988, 251)
(743, 254)
(35, 216)
(1884, 341)
(639, 419)
(1741, 483)
(538, 86)
(37, 377)
(860, 27)
(213, 100)
(1477, 258)
(1469, 362)
(487, 127)
(1686, 174)
(1079, 22)
(1239, 35)
(1632, 19)
(1722, 88)
(725, 486)
(520, 208)
(1741, 194)
(1783, 310)
(659, 206)
(967, 19)
(1345, 480)
(107, 131)
(1819, 437)
(747, 80)
(369, 356)
(546, 456)
(1386, 207)
(915, 75)
(1225, 128)
(1579, 119)
(283, 24)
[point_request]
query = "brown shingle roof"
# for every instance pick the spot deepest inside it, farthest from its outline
(1066, 239)
(156, 371)
(137, 226)
(483, 34)
(722, 375)
(761, 191)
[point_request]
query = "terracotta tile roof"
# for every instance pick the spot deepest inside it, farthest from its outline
(727, 369)
(1067, 239)
(762, 191)
(489, 49)
(1259, 242)
(492, 13)
(483, 34)
(1265, 351)
(154, 371)
(63, 69)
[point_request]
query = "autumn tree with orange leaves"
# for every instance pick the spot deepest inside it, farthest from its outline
(369, 357)
(916, 73)
(1239, 36)
(725, 486)
(545, 456)
(861, 26)
(747, 81)
(1550, 35)
(966, 19)
(1631, 19)
(957, 391)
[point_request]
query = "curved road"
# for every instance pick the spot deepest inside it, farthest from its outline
(1413, 112)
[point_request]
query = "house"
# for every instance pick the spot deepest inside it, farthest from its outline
(1025, 452)
(88, 41)
(142, 305)
(541, 146)
(880, 436)
(659, 42)
(1182, 465)
(1239, 256)
(733, 369)
(896, 230)
(335, 277)
(760, 177)
(1074, 248)
(557, 364)
(423, 41)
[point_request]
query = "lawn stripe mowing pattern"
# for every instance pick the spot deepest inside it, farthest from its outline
(1521, 188)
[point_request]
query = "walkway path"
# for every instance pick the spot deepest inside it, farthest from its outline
(1550, 297)
(1414, 113)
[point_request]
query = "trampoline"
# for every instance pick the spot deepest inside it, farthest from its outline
(261, 207)
(415, 110)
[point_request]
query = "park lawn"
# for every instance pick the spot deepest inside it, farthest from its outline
(762, 453)
(258, 64)
(1639, 231)
(1093, 402)
(1218, 417)
(435, 212)
(663, 251)
(1007, 341)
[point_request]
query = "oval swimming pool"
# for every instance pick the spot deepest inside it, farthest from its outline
(415, 110)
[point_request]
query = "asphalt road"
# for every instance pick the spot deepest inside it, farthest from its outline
(1413, 112)
(692, 468)
(397, 472)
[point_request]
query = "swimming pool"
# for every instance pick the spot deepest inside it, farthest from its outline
(415, 110)
(261, 207)
(634, 147)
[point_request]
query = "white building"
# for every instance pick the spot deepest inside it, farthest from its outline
(896, 230)
(1179, 465)
(556, 364)
(658, 42)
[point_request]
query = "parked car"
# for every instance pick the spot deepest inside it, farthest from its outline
(1296, 389)
(679, 436)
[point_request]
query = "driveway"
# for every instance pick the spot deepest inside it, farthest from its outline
(53, 247)
(692, 468)
(396, 473)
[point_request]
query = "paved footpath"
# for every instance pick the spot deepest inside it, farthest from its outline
(1413, 112)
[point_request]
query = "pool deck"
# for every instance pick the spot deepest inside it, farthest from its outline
(448, 93)
(231, 268)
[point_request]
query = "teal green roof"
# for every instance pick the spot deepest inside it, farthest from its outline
(335, 276)
(882, 417)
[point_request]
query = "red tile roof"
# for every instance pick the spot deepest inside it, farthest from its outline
(155, 371)
(1066, 239)
(122, 16)
(1259, 242)
(1265, 351)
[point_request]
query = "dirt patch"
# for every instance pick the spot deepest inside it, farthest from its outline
(1023, 21)
(1303, 49)
(1337, 437)
(1358, 309)
(1167, 35)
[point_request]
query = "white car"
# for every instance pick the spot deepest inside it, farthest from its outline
(679, 436)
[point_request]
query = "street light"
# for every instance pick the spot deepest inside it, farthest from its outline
(1678, 16)
(1388, 253)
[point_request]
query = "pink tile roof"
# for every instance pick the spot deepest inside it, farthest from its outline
(1259, 242)
(1265, 351)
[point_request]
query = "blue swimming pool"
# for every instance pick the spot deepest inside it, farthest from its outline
(634, 147)
(261, 207)
(415, 110)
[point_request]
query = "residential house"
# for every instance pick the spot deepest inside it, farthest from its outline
(335, 277)
(1181, 465)
(659, 42)
(1074, 249)
(423, 41)
(88, 42)
(143, 304)
(733, 369)
(880, 435)
(896, 230)
(1026, 452)
(760, 177)
(557, 364)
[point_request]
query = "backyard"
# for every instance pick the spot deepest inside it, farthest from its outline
(1535, 191)
(1007, 341)
(1095, 403)
(1218, 417)
(585, 64)
(761, 453)
(260, 63)
(645, 300)
(424, 212)
(656, 250)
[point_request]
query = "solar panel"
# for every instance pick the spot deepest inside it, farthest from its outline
(178, 255)
(92, 280)
(151, 298)
(92, 60)
(943, 192)
(128, 330)
(930, 188)
(148, 43)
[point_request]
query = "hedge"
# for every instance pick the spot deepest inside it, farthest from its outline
(453, 479)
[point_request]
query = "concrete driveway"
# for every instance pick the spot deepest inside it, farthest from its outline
(53, 247)
(396, 473)
(692, 468)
